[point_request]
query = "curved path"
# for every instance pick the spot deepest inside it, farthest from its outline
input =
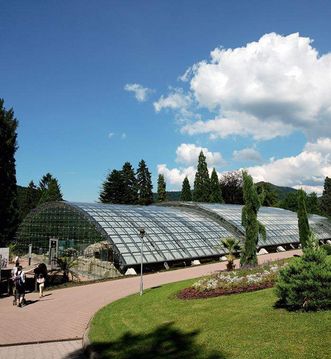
(64, 314)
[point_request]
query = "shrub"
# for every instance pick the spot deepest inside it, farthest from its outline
(306, 282)
(327, 248)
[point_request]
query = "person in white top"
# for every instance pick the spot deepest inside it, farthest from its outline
(19, 282)
(41, 283)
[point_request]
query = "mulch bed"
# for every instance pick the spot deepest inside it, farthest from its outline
(191, 293)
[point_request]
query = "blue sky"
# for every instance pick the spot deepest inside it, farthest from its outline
(95, 84)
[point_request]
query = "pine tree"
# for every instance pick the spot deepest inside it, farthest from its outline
(249, 220)
(304, 229)
(186, 194)
(144, 184)
(201, 191)
(326, 197)
(45, 180)
(216, 193)
(113, 188)
(51, 192)
(161, 189)
(130, 188)
(8, 191)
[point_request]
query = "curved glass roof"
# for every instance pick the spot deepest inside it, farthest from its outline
(281, 225)
(174, 231)
(171, 233)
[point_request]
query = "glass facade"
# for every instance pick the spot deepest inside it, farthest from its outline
(172, 233)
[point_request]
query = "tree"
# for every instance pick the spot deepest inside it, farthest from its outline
(232, 244)
(30, 200)
(268, 194)
(161, 189)
(130, 189)
(290, 202)
(113, 188)
(201, 191)
(215, 188)
(186, 194)
(8, 190)
(145, 194)
(232, 187)
(51, 193)
(253, 227)
(313, 204)
(303, 224)
(326, 197)
(45, 180)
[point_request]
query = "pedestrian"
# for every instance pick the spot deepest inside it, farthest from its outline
(12, 282)
(19, 282)
(41, 283)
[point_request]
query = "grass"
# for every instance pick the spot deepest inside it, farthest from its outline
(158, 325)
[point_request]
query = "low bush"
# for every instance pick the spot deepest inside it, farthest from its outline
(327, 248)
(306, 282)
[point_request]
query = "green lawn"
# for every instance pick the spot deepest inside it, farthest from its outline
(158, 325)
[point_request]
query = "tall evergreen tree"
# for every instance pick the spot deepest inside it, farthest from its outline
(201, 191)
(144, 184)
(51, 192)
(45, 180)
(215, 188)
(161, 189)
(249, 220)
(186, 194)
(30, 200)
(8, 190)
(313, 203)
(304, 229)
(130, 188)
(326, 197)
(113, 188)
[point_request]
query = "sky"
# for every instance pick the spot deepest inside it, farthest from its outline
(97, 83)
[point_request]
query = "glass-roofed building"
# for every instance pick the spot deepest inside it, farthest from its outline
(175, 232)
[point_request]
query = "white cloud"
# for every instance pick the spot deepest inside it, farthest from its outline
(308, 169)
(111, 134)
(123, 136)
(188, 153)
(140, 93)
(175, 176)
(265, 89)
(176, 100)
(247, 154)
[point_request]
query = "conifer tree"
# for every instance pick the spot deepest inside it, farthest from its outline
(304, 229)
(161, 189)
(8, 190)
(145, 194)
(326, 197)
(51, 192)
(249, 220)
(130, 188)
(30, 200)
(201, 191)
(113, 188)
(186, 194)
(215, 188)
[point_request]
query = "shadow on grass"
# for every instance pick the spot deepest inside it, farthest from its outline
(166, 342)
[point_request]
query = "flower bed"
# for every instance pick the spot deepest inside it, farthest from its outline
(238, 281)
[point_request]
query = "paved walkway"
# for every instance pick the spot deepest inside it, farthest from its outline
(63, 315)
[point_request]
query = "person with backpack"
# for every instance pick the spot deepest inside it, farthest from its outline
(19, 283)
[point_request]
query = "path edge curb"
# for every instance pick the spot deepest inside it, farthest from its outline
(88, 349)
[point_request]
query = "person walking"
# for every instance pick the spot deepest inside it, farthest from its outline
(19, 282)
(41, 283)
(12, 282)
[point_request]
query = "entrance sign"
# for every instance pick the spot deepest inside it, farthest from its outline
(4, 258)
(53, 251)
